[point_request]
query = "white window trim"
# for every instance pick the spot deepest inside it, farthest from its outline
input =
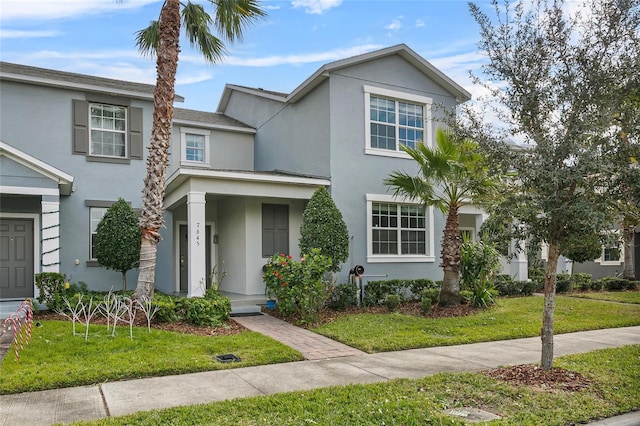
(618, 262)
(471, 230)
(398, 258)
(183, 145)
(396, 96)
(125, 132)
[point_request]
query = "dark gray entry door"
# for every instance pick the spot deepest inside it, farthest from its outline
(16, 258)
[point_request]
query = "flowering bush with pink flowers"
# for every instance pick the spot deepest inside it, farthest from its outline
(297, 285)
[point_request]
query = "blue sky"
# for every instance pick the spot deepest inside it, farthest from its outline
(96, 37)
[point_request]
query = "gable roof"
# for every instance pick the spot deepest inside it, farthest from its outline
(324, 71)
(64, 180)
(213, 120)
(54, 78)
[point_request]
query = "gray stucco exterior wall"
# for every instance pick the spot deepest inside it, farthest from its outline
(38, 121)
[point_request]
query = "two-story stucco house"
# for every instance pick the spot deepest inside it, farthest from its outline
(239, 178)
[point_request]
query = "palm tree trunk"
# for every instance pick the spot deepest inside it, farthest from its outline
(629, 271)
(151, 219)
(549, 307)
(450, 291)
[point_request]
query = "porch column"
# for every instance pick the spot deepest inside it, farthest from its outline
(196, 263)
(518, 265)
(50, 234)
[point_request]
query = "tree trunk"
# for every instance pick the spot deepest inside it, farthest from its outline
(629, 271)
(450, 291)
(549, 307)
(151, 219)
(124, 281)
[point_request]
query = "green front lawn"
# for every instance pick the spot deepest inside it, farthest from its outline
(512, 318)
(613, 296)
(614, 389)
(55, 358)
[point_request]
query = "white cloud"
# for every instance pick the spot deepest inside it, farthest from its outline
(420, 23)
(316, 7)
(54, 9)
(275, 60)
(5, 33)
(395, 25)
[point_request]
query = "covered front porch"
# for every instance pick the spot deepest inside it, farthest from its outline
(226, 224)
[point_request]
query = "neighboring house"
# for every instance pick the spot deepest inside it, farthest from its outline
(239, 178)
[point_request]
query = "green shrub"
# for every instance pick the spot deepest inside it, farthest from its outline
(206, 312)
(323, 228)
(417, 286)
(375, 292)
(563, 283)
(392, 301)
(168, 310)
(298, 285)
(425, 305)
(536, 274)
(481, 296)
(617, 284)
(507, 286)
(343, 296)
(581, 281)
(596, 285)
(53, 289)
(466, 295)
(433, 294)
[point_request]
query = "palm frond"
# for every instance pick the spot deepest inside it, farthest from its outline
(147, 39)
(197, 24)
(232, 16)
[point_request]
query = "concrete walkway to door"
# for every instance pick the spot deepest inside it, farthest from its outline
(313, 346)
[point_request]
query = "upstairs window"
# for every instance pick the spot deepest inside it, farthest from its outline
(108, 130)
(395, 119)
(194, 146)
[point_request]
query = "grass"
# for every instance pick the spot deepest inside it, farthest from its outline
(615, 389)
(613, 296)
(512, 318)
(55, 358)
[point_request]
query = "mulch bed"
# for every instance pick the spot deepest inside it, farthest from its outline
(540, 379)
(230, 328)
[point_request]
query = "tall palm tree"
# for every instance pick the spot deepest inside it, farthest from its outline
(162, 37)
(451, 175)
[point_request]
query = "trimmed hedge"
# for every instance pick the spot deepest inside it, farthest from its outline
(342, 296)
(616, 284)
(376, 292)
(507, 286)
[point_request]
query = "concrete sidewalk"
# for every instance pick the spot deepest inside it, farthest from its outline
(125, 397)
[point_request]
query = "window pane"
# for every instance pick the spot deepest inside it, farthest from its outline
(108, 129)
(95, 216)
(194, 147)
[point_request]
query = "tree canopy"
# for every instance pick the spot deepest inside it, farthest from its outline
(556, 81)
(449, 176)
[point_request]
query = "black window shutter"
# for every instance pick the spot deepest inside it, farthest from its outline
(80, 127)
(135, 133)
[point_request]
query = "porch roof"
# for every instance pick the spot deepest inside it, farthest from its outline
(240, 183)
(62, 179)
